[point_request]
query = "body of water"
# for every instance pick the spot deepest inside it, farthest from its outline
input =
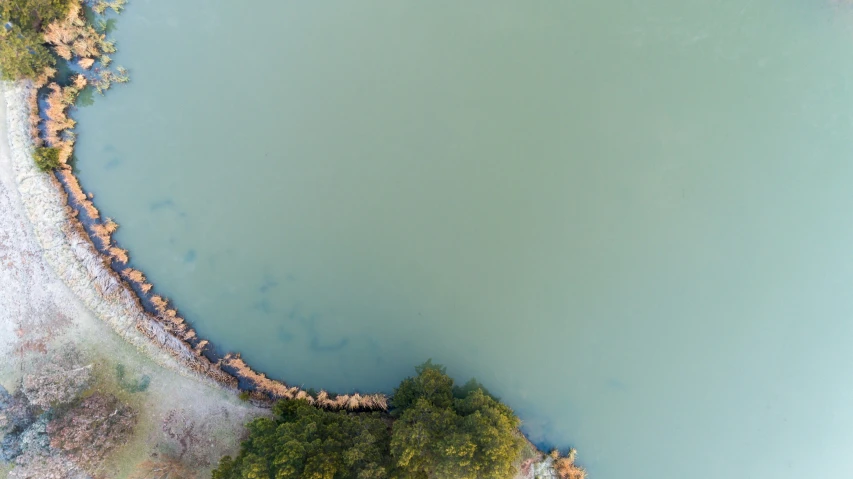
(631, 220)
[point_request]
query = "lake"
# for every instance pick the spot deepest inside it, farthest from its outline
(631, 221)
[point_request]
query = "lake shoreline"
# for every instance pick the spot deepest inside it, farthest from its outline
(60, 212)
(53, 206)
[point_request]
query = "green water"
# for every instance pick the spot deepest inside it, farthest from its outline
(631, 220)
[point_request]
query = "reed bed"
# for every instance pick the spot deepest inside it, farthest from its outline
(73, 36)
(119, 254)
(80, 198)
(279, 390)
(565, 466)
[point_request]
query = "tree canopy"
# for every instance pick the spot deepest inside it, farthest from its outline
(22, 54)
(444, 432)
(435, 430)
(32, 15)
(304, 442)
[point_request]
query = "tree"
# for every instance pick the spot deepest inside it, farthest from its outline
(89, 431)
(22, 54)
(302, 441)
(439, 436)
(32, 15)
(46, 158)
(438, 432)
(57, 379)
(431, 383)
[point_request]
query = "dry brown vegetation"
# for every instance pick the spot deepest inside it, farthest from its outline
(279, 390)
(163, 468)
(119, 254)
(57, 378)
(32, 101)
(73, 36)
(89, 431)
(136, 277)
(57, 126)
(77, 193)
(103, 231)
(566, 467)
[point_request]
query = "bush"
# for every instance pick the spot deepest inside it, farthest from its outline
(22, 54)
(46, 158)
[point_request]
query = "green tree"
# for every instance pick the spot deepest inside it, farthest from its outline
(46, 158)
(439, 431)
(302, 441)
(33, 15)
(438, 436)
(22, 54)
(431, 383)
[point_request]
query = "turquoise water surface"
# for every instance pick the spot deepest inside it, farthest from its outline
(631, 221)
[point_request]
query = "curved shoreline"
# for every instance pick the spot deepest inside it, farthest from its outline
(71, 252)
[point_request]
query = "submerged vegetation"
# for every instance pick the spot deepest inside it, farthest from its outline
(434, 430)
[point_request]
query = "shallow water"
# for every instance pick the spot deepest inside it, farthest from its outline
(631, 221)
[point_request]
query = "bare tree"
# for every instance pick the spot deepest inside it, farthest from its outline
(57, 379)
(92, 429)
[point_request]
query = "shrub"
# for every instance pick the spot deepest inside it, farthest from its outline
(22, 54)
(47, 158)
(89, 431)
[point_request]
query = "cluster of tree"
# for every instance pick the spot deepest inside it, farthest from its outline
(23, 52)
(49, 429)
(435, 430)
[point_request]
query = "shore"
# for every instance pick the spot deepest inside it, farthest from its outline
(71, 253)
(42, 311)
(58, 291)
